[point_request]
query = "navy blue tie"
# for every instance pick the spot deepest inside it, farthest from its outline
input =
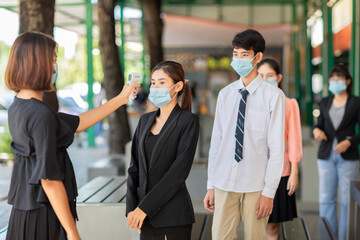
(239, 133)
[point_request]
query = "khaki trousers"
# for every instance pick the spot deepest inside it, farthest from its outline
(230, 209)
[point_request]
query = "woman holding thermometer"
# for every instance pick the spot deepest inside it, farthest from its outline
(158, 203)
(43, 189)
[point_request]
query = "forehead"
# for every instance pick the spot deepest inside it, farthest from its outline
(243, 51)
(337, 75)
(160, 75)
(265, 68)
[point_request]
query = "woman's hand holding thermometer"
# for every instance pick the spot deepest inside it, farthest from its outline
(134, 78)
(129, 90)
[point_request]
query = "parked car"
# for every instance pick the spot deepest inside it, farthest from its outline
(3, 114)
(3, 118)
(5, 102)
(71, 102)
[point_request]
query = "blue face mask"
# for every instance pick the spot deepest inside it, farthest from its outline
(160, 96)
(243, 66)
(54, 76)
(337, 87)
(272, 81)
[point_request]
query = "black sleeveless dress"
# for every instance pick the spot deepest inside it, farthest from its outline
(40, 138)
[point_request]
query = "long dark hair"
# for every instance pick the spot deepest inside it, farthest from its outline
(177, 74)
(341, 70)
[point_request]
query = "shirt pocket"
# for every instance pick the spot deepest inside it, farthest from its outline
(256, 120)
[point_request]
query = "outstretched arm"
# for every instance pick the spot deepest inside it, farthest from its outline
(91, 117)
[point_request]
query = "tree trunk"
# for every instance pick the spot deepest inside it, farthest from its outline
(38, 15)
(119, 132)
(153, 26)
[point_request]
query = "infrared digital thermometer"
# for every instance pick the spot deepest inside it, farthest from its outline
(134, 78)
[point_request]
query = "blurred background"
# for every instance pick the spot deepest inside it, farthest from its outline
(101, 42)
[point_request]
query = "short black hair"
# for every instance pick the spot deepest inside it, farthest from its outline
(249, 39)
(341, 70)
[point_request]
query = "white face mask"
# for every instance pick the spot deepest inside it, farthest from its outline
(55, 74)
(272, 81)
(337, 87)
(161, 96)
(243, 66)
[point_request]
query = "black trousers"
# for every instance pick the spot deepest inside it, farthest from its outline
(149, 232)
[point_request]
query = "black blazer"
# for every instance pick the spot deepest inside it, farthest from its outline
(160, 190)
(346, 129)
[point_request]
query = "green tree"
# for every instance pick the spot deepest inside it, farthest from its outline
(153, 30)
(38, 15)
(119, 132)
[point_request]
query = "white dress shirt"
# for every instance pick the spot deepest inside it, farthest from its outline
(263, 151)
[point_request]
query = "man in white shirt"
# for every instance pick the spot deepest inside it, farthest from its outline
(247, 146)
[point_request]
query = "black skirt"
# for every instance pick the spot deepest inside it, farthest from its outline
(148, 232)
(284, 205)
(37, 224)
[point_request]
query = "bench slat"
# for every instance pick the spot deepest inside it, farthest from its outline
(106, 191)
(92, 188)
(294, 230)
(118, 195)
(197, 226)
(317, 228)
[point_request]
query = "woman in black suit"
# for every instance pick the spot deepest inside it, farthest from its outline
(338, 155)
(158, 203)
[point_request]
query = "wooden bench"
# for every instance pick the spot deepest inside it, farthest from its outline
(294, 230)
(318, 228)
(101, 209)
(3, 233)
(311, 227)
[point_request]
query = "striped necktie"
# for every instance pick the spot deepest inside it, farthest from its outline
(239, 133)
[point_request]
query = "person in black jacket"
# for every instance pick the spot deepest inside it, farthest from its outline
(338, 154)
(158, 203)
(43, 187)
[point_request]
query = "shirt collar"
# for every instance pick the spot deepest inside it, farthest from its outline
(251, 88)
